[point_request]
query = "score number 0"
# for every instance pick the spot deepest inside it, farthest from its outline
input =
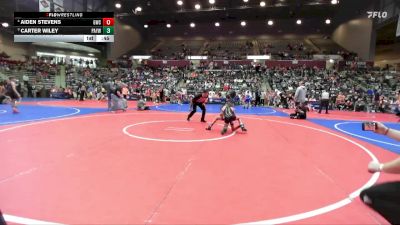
(108, 21)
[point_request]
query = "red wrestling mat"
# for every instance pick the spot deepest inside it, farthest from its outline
(125, 169)
(81, 104)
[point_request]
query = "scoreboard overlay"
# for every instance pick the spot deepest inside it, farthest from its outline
(63, 27)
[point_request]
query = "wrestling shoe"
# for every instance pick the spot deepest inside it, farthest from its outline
(208, 128)
(243, 128)
(224, 130)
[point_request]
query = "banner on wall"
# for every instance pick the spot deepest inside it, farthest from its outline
(59, 2)
(44, 6)
(327, 57)
(58, 5)
(58, 8)
(358, 64)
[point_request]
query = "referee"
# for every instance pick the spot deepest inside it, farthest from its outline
(200, 101)
(324, 101)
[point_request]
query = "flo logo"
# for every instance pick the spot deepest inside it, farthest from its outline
(377, 14)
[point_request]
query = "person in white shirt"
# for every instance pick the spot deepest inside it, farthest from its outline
(211, 94)
(324, 101)
(263, 97)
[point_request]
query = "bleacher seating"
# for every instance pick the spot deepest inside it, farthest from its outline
(177, 49)
(328, 46)
(235, 49)
(278, 48)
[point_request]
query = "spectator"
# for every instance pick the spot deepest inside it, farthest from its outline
(324, 103)
(385, 198)
(300, 95)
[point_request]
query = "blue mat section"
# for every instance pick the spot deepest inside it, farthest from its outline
(353, 128)
(31, 113)
(40, 99)
(214, 108)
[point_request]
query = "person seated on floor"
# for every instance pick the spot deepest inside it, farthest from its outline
(300, 112)
(141, 104)
(349, 105)
(3, 98)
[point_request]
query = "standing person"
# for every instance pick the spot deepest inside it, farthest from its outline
(11, 91)
(385, 198)
(397, 108)
(247, 100)
(258, 99)
(118, 101)
(200, 101)
(263, 97)
(324, 101)
(34, 91)
(109, 87)
(162, 94)
(300, 95)
(377, 98)
(82, 92)
(125, 91)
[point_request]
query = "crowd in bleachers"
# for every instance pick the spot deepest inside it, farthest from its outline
(228, 50)
(280, 49)
(153, 84)
(219, 82)
(34, 76)
(357, 90)
(286, 50)
(177, 49)
(354, 90)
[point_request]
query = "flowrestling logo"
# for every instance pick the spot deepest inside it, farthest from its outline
(377, 14)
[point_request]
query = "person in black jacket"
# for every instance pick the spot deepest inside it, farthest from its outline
(109, 87)
(200, 101)
(2, 220)
(384, 198)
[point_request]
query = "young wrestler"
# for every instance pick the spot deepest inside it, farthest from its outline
(11, 91)
(228, 116)
(300, 112)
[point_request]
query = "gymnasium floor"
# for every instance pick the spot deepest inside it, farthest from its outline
(71, 162)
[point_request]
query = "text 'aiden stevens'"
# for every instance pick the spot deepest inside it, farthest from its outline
(40, 22)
